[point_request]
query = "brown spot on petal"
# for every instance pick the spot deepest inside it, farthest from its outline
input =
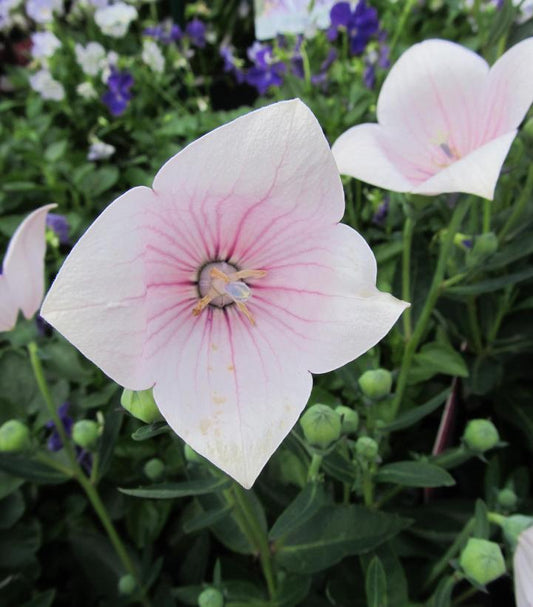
(219, 400)
(231, 368)
(204, 425)
(214, 347)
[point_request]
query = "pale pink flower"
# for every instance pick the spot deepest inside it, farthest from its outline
(445, 121)
(22, 277)
(523, 569)
(226, 284)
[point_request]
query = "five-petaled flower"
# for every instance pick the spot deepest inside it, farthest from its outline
(22, 276)
(226, 285)
(523, 569)
(445, 121)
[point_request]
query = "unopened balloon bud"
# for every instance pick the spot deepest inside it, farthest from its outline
(14, 436)
(376, 384)
(85, 433)
(349, 419)
(154, 469)
(482, 561)
(126, 584)
(210, 597)
(507, 499)
(481, 435)
(141, 404)
(366, 448)
(321, 425)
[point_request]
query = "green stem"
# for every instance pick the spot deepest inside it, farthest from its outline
(307, 67)
(519, 206)
(408, 7)
(441, 565)
(496, 518)
(474, 324)
(256, 536)
(368, 487)
(408, 230)
(431, 300)
(314, 467)
(487, 213)
(77, 472)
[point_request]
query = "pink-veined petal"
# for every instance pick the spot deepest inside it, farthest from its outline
(23, 267)
(230, 391)
(432, 96)
(232, 181)
(477, 173)
(361, 153)
(509, 91)
(97, 300)
(322, 304)
(8, 307)
(523, 569)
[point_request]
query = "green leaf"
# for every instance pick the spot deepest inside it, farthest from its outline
(97, 182)
(43, 599)
(435, 358)
(151, 430)
(31, 469)
(11, 509)
(443, 594)
(8, 483)
(333, 533)
(414, 474)
(206, 519)
(292, 591)
(339, 467)
(481, 521)
(491, 284)
(376, 584)
(112, 423)
(163, 491)
(55, 150)
(19, 544)
(303, 507)
(411, 417)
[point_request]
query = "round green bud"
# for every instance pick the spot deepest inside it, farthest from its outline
(126, 584)
(321, 425)
(482, 561)
(85, 433)
(191, 455)
(481, 435)
(210, 597)
(485, 244)
(376, 384)
(154, 469)
(349, 419)
(14, 436)
(366, 448)
(507, 499)
(513, 526)
(141, 405)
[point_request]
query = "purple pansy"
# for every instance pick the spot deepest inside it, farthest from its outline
(265, 72)
(165, 33)
(118, 95)
(195, 30)
(54, 442)
(381, 213)
(231, 62)
(360, 24)
(321, 77)
(59, 225)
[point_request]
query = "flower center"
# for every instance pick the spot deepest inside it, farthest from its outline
(221, 284)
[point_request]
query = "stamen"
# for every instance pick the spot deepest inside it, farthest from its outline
(446, 149)
(242, 308)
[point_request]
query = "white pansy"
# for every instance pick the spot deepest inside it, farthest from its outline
(99, 150)
(91, 58)
(110, 61)
(44, 44)
(42, 11)
(153, 57)
(86, 90)
(44, 83)
(114, 20)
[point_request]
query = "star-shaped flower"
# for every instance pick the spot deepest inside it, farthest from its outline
(22, 276)
(226, 285)
(445, 121)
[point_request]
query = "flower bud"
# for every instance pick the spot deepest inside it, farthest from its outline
(366, 448)
(141, 405)
(481, 435)
(14, 436)
(126, 584)
(349, 419)
(85, 433)
(482, 561)
(210, 597)
(376, 384)
(485, 244)
(321, 425)
(191, 455)
(154, 469)
(507, 499)
(513, 526)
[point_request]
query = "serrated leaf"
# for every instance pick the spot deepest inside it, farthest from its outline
(333, 533)
(414, 474)
(376, 584)
(303, 507)
(164, 491)
(411, 417)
